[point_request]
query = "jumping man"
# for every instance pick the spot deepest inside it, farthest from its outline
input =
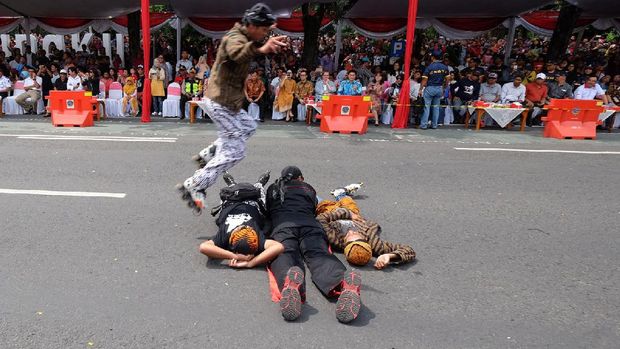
(225, 98)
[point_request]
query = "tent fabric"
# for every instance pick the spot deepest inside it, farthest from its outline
(233, 9)
(69, 8)
(217, 27)
(444, 8)
(10, 24)
(598, 8)
(548, 19)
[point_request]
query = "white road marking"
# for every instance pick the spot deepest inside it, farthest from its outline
(542, 151)
(92, 138)
(63, 193)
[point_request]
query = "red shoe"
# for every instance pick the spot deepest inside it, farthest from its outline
(349, 302)
(290, 303)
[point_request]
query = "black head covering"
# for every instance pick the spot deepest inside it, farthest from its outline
(288, 173)
(259, 15)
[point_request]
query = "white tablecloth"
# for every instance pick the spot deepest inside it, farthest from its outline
(316, 107)
(604, 115)
(503, 116)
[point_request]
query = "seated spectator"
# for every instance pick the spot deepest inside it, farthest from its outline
(107, 82)
(466, 91)
(490, 91)
(185, 61)
(513, 91)
(61, 83)
(33, 86)
(376, 90)
(74, 81)
(614, 90)
(500, 70)
(351, 86)
(254, 91)
(303, 90)
(559, 88)
(191, 88)
(130, 94)
(324, 87)
(590, 91)
(5, 85)
(551, 72)
(181, 75)
(536, 96)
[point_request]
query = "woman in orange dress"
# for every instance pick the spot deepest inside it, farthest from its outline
(284, 98)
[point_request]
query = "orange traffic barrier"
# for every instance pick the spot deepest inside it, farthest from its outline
(72, 108)
(345, 114)
(572, 118)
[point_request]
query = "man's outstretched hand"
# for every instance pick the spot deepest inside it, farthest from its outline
(274, 45)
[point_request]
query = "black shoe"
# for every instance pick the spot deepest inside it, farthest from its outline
(228, 179)
(182, 118)
(264, 178)
(262, 120)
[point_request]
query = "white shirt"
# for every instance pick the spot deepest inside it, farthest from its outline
(29, 82)
(74, 83)
(414, 89)
(510, 93)
(5, 83)
(186, 63)
(588, 93)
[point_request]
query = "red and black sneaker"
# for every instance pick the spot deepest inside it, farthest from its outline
(290, 303)
(349, 302)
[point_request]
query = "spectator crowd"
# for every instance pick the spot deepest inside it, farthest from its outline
(446, 76)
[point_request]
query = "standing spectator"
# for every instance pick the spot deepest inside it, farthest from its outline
(91, 82)
(351, 86)
(284, 97)
(513, 91)
(303, 90)
(5, 85)
(140, 85)
(364, 73)
(184, 61)
(32, 86)
(202, 68)
(490, 91)
(74, 82)
(473, 66)
(157, 75)
(560, 89)
(466, 91)
(435, 75)
(394, 73)
(376, 91)
(502, 72)
(324, 87)
(590, 91)
(61, 82)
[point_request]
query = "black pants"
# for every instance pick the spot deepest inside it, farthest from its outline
(307, 244)
(184, 99)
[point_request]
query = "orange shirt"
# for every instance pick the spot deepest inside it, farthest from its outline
(535, 93)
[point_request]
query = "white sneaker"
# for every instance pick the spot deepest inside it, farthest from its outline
(208, 153)
(352, 188)
(154, 113)
(159, 113)
(199, 197)
(338, 192)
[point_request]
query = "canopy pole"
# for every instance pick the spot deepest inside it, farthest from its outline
(178, 27)
(580, 34)
(28, 41)
(146, 48)
(338, 44)
(401, 115)
(511, 39)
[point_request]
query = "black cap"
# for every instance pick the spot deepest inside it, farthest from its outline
(292, 171)
(259, 15)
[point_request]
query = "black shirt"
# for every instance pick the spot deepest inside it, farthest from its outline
(140, 84)
(47, 84)
(298, 208)
(236, 214)
(60, 85)
(467, 90)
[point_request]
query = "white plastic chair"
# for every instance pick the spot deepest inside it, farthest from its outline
(172, 103)
(114, 102)
(9, 105)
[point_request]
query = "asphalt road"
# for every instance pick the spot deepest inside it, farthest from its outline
(515, 249)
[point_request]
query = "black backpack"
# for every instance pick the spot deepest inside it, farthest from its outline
(238, 193)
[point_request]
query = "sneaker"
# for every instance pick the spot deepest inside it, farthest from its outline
(228, 179)
(338, 192)
(264, 178)
(349, 303)
(159, 114)
(205, 155)
(290, 303)
(154, 113)
(353, 188)
(196, 199)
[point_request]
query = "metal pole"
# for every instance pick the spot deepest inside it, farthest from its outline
(338, 44)
(511, 39)
(178, 39)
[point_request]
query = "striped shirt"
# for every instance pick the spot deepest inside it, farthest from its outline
(371, 232)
